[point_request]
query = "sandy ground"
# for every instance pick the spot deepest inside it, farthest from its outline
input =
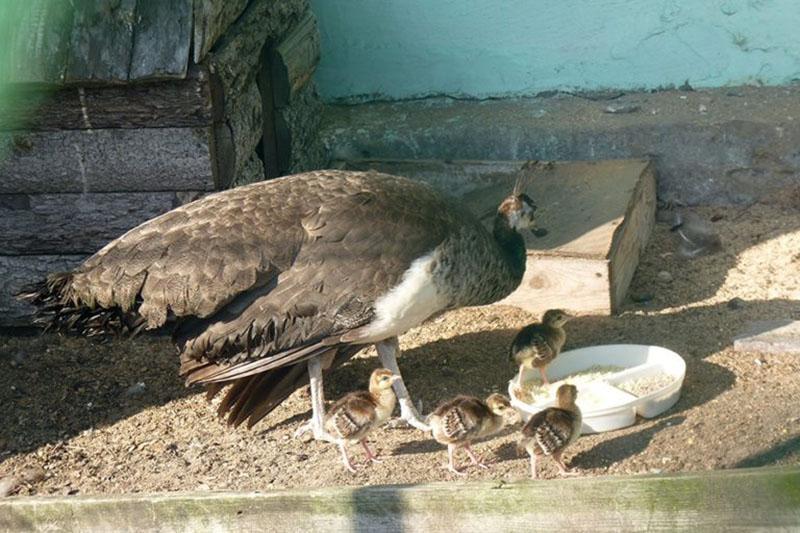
(73, 407)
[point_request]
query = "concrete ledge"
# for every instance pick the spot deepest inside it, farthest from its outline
(770, 336)
(731, 145)
(721, 500)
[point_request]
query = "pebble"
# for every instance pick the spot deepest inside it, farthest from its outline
(33, 474)
(642, 297)
(618, 109)
(665, 276)
(137, 389)
(8, 485)
(703, 109)
(735, 303)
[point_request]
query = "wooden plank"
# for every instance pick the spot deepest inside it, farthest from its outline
(575, 284)
(161, 40)
(744, 499)
(236, 57)
(42, 224)
(294, 60)
(770, 336)
(631, 237)
(585, 200)
(236, 62)
(38, 34)
(211, 19)
(174, 104)
(157, 159)
(247, 127)
(269, 140)
(297, 126)
(102, 41)
(17, 272)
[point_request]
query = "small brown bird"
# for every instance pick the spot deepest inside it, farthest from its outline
(537, 344)
(464, 419)
(696, 236)
(551, 430)
(355, 415)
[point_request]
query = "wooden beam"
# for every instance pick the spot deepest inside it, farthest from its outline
(269, 141)
(102, 41)
(157, 159)
(44, 224)
(247, 128)
(161, 41)
(294, 60)
(236, 57)
(18, 271)
(211, 19)
(631, 237)
(236, 62)
(171, 103)
(745, 499)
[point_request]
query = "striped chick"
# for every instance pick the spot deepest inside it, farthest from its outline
(551, 430)
(537, 344)
(464, 419)
(355, 415)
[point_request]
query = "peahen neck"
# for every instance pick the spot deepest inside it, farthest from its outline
(512, 247)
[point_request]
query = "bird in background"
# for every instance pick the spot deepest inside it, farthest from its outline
(696, 237)
(552, 430)
(357, 414)
(538, 344)
(464, 419)
(266, 287)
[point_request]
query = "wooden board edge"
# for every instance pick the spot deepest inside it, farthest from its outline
(718, 500)
(631, 237)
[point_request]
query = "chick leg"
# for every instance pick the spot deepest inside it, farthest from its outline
(519, 376)
(544, 375)
(388, 350)
(317, 422)
(451, 460)
(562, 468)
(477, 461)
(348, 464)
(371, 456)
(533, 466)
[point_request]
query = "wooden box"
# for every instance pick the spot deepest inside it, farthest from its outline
(599, 215)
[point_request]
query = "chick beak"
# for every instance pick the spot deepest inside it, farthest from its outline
(394, 378)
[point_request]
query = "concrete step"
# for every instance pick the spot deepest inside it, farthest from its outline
(722, 146)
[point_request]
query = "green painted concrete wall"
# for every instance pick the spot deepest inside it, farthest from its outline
(398, 49)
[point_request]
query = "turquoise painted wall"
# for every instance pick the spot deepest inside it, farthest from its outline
(397, 49)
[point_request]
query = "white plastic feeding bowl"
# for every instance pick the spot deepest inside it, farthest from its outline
(616, 408)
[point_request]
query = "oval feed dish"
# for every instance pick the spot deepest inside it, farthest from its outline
(615, 383)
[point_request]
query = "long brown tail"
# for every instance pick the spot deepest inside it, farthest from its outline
(253, 397)
(58, 309)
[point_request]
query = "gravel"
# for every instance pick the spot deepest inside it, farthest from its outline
(69, 416)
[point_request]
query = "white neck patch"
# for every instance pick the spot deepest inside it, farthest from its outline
(521, 219)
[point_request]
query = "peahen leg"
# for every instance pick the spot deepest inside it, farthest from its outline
(317, 422)
(388, 350)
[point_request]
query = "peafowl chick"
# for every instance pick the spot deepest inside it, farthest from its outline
(355, 415)
(463, 419)
(537, 344)
(551, 430)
